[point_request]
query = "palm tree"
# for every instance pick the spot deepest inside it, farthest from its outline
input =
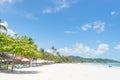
(53, 49)
(42, 50)
(2, 27)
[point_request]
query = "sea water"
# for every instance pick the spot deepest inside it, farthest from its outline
(109, 64)
(113, 64)
(106, 64)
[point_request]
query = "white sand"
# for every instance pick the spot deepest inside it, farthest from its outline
(64, 72)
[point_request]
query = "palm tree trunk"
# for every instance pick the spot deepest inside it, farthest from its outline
(0, 63)
(13, 63)
(7, 63)
(31, 62)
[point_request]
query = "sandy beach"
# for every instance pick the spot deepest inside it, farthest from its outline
(64, 72)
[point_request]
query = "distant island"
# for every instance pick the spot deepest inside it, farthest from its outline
(91, 60)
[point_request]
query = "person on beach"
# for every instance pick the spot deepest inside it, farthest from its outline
(110, 66)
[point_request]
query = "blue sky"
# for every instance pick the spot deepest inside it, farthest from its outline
(88, 28)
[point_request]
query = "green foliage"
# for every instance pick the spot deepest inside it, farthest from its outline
(49, 56)
(18, 45)
(24, 46)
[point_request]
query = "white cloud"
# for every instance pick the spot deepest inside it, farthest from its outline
(65, 51)
(9, 31)
(61, 4)
(47, 11)
(117, 47)
(6, 1)
(7, 6)
(80, 49)
(4, 24)
(58, 6)
(102, 48)
(2, 2)
(98, 41)
(114, 13)
(86, 27)
(97, 26)
(70, 32)
(29, 16)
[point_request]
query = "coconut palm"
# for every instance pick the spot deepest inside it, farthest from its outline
(2, 27)
(53, 50)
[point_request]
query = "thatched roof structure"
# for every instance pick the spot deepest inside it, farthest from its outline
(18, 57)
(6, 55)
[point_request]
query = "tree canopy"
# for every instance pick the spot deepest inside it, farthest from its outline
(25, 46)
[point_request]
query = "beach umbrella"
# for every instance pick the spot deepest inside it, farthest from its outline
(25, 59)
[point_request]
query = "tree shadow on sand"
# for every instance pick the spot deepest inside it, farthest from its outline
(18, 72)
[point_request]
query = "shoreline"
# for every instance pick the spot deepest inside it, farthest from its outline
(64, 71)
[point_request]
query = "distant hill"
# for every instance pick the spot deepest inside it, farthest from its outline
(91, 60)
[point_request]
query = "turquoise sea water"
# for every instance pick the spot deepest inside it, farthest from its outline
(112, 64)
(106, 64)
(109, 64)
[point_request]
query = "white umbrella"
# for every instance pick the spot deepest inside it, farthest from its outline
(25, 59)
